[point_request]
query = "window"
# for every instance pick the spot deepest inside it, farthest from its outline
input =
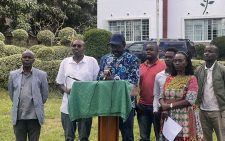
(133, 30)
(204, 29)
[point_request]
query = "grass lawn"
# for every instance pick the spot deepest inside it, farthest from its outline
(52, 129)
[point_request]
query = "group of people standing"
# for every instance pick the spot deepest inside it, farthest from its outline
(159, 89)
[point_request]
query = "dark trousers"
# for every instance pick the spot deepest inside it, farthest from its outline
(213, 121)
(146, 118)
(84, 128)
(126, 128)
(27, 128)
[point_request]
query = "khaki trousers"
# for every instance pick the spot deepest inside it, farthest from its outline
(213, 121)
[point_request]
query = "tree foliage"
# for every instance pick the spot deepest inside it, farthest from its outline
(220, 43)
(36, 15)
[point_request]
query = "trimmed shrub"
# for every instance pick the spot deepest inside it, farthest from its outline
(61, 52)
(35, 48)
(20, 37)
(220, 43)
(11, 50)
(13, 62)
(51, 67)
(79, 36)
(46, 37)
(45, 54)
(23, 25)
(97, 42)
(7, 64)
(2, 46)
(2, 37)
(200, 50)
(66, 35)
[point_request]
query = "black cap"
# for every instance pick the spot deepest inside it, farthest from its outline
(117, 39)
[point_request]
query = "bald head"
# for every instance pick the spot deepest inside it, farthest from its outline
(27, 59)
(28, 52)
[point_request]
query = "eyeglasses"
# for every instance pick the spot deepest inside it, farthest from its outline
(77, 45)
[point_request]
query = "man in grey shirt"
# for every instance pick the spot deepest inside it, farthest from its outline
(160, 78)
(28, 88)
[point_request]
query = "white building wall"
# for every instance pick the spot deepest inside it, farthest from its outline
(178, 10)
(128, 10)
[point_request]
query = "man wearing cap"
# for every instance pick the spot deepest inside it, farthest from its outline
(123, 66)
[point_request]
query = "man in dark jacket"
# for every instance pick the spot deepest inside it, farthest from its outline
(211, 95)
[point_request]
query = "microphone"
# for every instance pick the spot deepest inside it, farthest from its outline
(73, 78)
(107, 72)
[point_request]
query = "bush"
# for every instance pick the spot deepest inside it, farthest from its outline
(13, 62)
(20, 37)
(35, 48)
(200, 50)
(23, 25)
(45, 54)
(46, 37)
(61, 52)
(7, 64)
(220, 43)
(2, 37)
(2, 46)
(11, 50)
(66, 35)
(97, 42)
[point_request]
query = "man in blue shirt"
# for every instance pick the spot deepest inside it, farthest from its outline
(122, 65)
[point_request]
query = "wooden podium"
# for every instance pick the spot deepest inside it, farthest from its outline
(108, 128)
(108, 100)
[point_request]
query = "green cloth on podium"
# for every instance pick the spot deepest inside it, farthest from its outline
(99, 98)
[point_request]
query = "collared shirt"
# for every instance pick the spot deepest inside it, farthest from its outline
(86, 70)
(126, 67)
(147, 79)
(160, 79)
(26, 104)
(209, 101)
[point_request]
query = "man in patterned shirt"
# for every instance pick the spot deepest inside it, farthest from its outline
(124, 66)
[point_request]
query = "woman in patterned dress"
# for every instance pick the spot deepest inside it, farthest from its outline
(178, 98)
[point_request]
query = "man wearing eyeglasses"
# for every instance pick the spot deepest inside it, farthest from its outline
(78, 67)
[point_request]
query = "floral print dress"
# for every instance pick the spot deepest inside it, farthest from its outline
(179, 88)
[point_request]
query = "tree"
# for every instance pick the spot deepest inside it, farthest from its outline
(35, 15)
(14, 13)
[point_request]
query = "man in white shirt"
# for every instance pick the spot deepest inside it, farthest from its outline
(160, 79)
(79, 67)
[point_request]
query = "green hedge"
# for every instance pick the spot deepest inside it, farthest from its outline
(58, 53)
(66, 35)
(20, 37)
(61, 52)
(97, 42)
(220, 43)
(35, 48)
(2, 37)
(13, 62)
(45, 53)
(12, 49)
(46, 37)
(200, 51)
